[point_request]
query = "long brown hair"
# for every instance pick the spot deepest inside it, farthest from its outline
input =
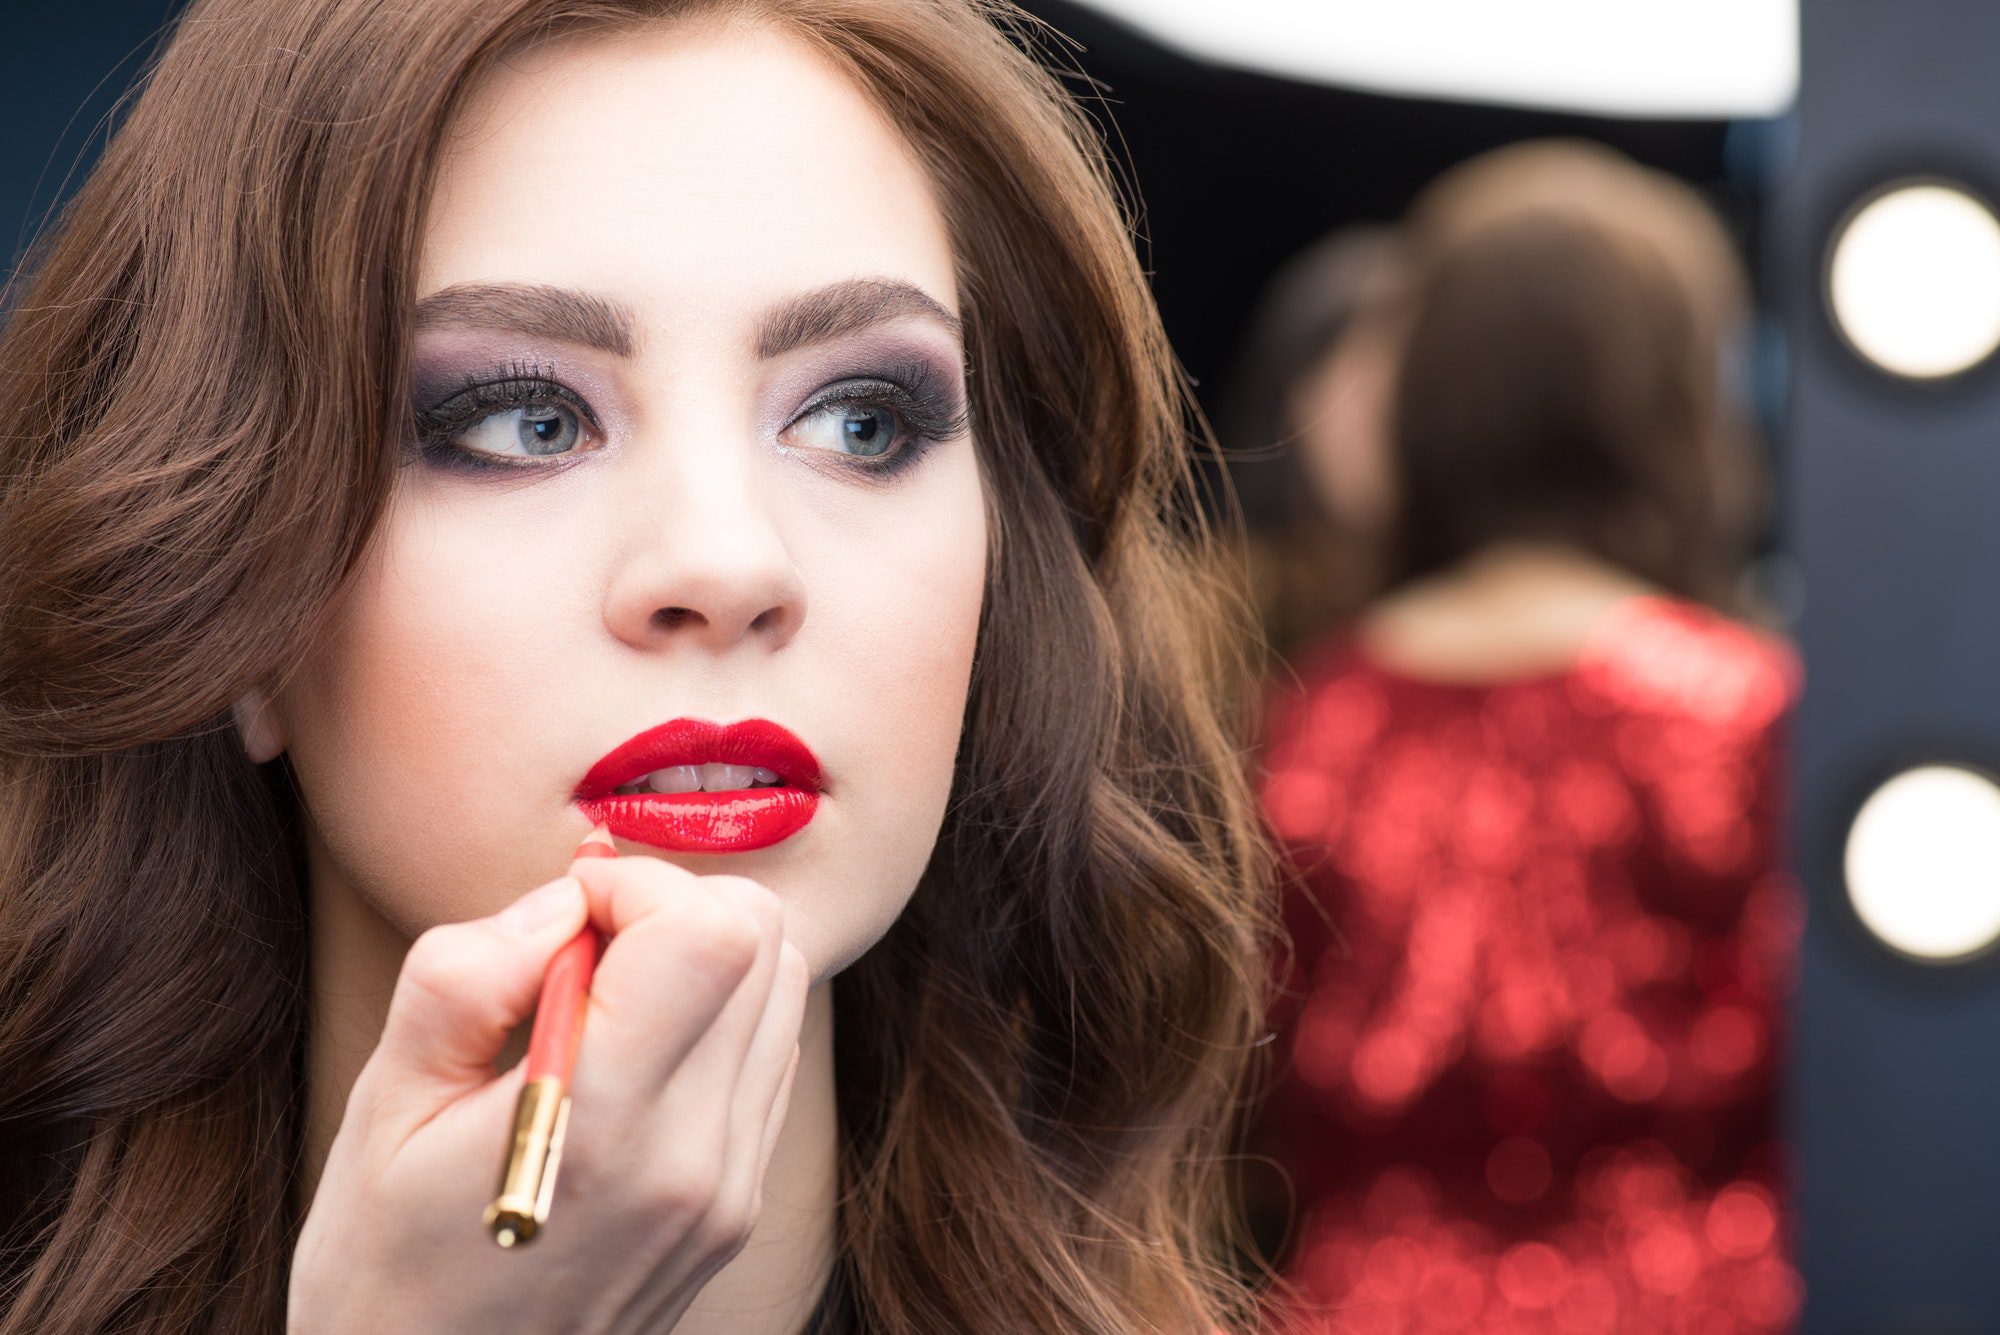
(1562, 376)
(203, 385)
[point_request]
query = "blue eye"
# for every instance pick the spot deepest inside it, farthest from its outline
(883, 423)
(868, 430)
(503, 423)
(536, 428)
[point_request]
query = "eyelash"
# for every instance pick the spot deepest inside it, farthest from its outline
(479, 396)
(924, 410)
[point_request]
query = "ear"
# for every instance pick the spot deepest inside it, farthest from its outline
(257, 726)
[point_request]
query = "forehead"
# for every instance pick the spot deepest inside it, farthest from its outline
(685, 166)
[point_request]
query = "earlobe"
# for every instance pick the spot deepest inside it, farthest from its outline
(257, 727)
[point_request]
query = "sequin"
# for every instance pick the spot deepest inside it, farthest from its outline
(1531, 1020)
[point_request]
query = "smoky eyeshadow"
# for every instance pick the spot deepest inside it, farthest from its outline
(923, 384)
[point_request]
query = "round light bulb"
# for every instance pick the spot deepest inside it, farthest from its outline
(1913, 280)
(1923, 863)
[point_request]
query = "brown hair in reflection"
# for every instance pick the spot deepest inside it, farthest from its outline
(1562, 372)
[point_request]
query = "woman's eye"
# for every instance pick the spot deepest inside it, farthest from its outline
(531, 429)
(868, 430)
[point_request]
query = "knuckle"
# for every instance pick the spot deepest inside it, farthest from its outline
(437, 965)
(726, 942)
(758, 901)
(729, 1220)
(681, 1188)
(430, 947)
(729, 1216)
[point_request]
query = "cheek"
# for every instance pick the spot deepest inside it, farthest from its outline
(898, 607)
(899, 623)
(412, 727)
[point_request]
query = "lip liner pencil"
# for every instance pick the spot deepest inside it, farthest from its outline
(528, 1176)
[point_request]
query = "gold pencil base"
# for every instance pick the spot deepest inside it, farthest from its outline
(528, 1177)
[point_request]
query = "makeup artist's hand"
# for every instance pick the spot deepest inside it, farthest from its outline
(689, 1046)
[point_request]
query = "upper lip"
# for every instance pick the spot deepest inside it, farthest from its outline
(685, 741)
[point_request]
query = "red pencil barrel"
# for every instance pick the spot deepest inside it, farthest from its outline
(565, 992)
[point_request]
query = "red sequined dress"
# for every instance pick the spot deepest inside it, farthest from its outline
(1528, 1061)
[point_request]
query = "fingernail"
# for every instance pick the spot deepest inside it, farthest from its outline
(540, 907)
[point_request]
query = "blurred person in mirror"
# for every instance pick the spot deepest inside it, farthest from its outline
(1306, 427)
(1530, 1016)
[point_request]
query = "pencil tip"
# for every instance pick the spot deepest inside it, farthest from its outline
(597, 843)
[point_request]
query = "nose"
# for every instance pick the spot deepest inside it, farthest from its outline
(705, 561)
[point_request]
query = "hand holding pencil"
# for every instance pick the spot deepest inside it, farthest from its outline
(541, 1117)
(681, 1053)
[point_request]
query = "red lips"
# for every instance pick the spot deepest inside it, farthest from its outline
(699, 822)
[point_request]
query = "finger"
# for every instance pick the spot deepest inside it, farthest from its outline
(704, 1102)
(713, 1067)
(624, 891)
(462, 990)
(682, 948)
(780, 1106)
(764, 1087)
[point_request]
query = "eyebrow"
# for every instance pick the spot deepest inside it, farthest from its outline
(840, 309)
(563, 314)
(535, 309)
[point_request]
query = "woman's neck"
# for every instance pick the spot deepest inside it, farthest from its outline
(769, 1288)
(1513, 609)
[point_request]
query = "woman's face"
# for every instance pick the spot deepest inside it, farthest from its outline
(711, 299)
(1340, 412)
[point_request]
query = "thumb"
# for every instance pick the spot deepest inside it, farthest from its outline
(465, 986)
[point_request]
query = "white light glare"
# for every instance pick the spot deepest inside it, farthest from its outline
(1914, 280)
(1923, 863)
(1710, 58)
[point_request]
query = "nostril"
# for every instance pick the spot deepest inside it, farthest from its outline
(670, 617)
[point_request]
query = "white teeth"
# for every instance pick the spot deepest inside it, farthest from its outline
(701, 778)
(725, 778)
(675, 779)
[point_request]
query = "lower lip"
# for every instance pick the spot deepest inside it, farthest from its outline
(737, 822)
